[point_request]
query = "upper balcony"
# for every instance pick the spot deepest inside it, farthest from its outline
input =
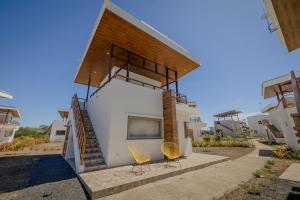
(121, 40)
(9, 115)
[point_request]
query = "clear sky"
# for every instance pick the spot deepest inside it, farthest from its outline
(41, 44)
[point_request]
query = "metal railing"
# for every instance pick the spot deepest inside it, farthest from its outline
(80, 128)
(9, 122)
(180, 98)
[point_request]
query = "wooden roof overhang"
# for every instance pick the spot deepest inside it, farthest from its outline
(271, 87)
(116, 27)
(64, 113)
(228, 113)
(8, 109)
(285, 15)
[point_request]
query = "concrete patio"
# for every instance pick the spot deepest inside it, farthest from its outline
(292, 173)
(110, 181)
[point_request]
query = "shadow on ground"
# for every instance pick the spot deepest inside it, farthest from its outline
(38, 177)
(266, 153)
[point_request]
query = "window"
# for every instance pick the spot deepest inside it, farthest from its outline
(144, 128)
(8, 133)
(60, 132)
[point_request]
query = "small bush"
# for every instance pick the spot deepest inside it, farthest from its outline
(258, 174)
(281, 153)
(268, 166)
(270, 162)
(253, 190)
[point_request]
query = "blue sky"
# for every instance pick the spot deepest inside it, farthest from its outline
(41, 44)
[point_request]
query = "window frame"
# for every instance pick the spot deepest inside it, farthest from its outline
(60, 134)
(145, 118)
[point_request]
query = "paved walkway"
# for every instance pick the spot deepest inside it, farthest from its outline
(207, 183)
(292, 173)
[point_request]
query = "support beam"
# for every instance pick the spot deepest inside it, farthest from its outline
(167, 78)
(282, 96)
(176, 84)
(88, 89)
(110, 61)
(128, 67)
(278, 98)
(296, 90)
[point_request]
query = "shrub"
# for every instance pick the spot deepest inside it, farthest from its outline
(270, 162)
(258, 174)
(253, 190)
(268, 166)
(281, 153)
(296, 155)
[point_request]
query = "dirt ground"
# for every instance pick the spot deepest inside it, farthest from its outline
(39, 149)
(232, 152)
(268, 187)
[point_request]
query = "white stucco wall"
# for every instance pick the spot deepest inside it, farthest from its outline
(109, 110)
(57, 125)
(7, 128)
(253, 123)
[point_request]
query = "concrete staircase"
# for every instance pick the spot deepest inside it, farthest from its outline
(93, 155)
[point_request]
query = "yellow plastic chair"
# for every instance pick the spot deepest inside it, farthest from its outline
(139, 157)
(171, 152)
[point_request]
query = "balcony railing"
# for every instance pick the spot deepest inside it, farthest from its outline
(180, 98)
(9, 122)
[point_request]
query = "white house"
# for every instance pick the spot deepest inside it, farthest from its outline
(256, 124)
(9, 123)
(59, 127)
(228, 123)
(133, 68)
(284, 115)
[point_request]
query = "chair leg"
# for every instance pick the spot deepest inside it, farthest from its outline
(179, 163)
(167, 163)
(149, 166)
(132, 167)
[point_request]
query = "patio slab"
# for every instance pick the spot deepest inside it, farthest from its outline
(292, 173)
(114, 180)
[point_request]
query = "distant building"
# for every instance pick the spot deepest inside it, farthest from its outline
(58, 127)
(255, 123)
(228, 123)
(9, 123)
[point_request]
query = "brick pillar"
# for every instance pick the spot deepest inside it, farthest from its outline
(169, 112)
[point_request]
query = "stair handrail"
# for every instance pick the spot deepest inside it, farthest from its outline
(66, 139)
(81, 131)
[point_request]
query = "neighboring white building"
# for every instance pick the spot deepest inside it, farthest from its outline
(256, 124)
(59, 127)
(9, 123)
(133, 70)
(228, 124)
(282, 125)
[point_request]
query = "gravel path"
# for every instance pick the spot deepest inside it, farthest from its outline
(38, 177)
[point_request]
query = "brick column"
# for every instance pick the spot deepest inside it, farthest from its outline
(169, 112)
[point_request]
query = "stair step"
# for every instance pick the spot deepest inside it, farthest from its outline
(91, 149)
(93, 161)
(93, 155)
(88, 145)
(93, 168)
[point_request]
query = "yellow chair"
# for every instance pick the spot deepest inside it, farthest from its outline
(139, 157)
(171, 152)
